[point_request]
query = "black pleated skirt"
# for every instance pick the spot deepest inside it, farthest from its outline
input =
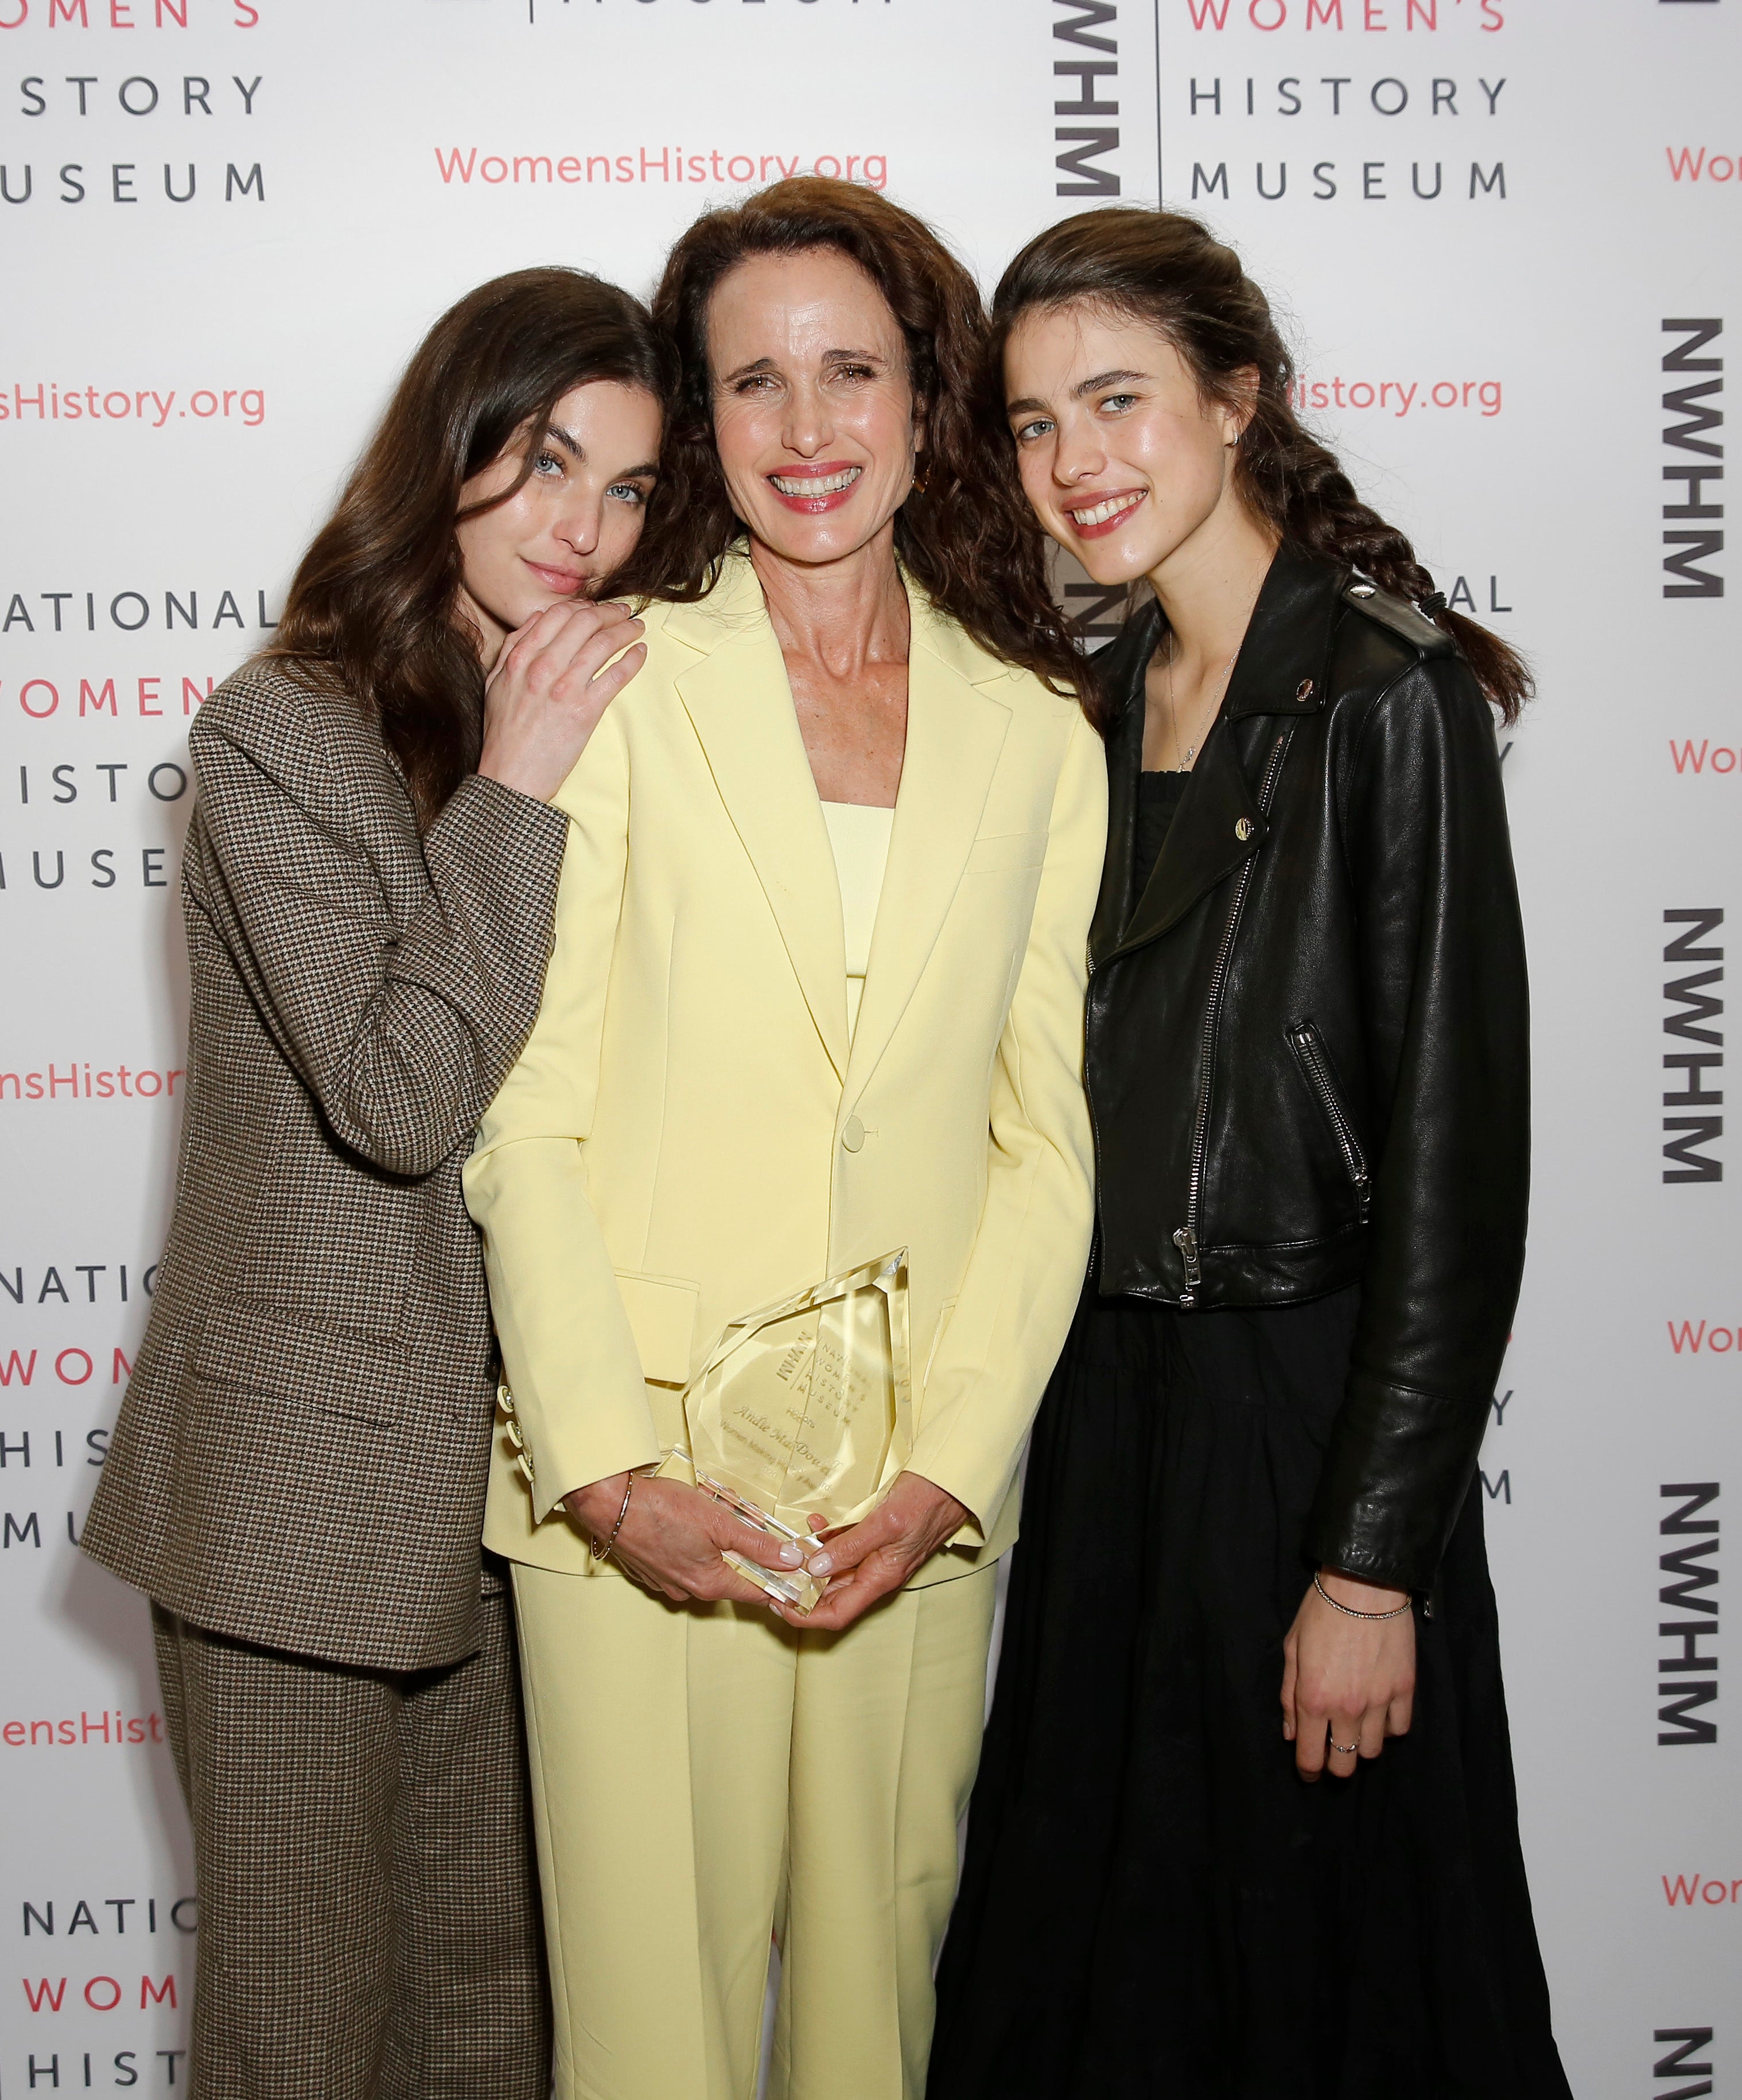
(1153, 1903)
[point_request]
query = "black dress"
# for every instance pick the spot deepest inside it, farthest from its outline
(1154, 1904)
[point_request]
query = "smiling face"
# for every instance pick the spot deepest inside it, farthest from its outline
(574, 520)
(813, 412)
(1123, 460)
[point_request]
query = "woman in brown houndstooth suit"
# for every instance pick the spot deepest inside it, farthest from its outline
(297, 1479)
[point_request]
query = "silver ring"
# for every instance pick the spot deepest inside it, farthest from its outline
(1348, 1750)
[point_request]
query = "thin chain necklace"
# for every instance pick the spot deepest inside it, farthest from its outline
(1173, 719)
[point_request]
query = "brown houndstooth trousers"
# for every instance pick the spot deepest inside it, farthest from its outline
(369, 1907)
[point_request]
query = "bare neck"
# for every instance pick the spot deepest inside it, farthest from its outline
(487, 635)
(842, 617)
(1210, 584)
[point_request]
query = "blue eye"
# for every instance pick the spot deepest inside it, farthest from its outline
(1119, 400)
(627, 491)
(1027, 431)
(546, 465)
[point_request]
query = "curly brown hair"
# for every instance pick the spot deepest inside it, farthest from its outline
(373, 599)
(969, 538)
(1166, 269)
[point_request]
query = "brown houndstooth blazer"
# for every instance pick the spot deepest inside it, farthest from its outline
(300, 1457)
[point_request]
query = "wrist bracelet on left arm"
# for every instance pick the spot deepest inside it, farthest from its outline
(603, 1552)
(1348, 1611)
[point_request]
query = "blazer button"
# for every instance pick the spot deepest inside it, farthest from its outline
(852, 1133)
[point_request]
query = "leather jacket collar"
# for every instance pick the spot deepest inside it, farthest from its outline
(1282, 670)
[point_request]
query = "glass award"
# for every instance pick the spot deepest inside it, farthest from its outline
(805, 1408)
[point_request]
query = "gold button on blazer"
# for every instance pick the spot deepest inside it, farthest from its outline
(689, 1135)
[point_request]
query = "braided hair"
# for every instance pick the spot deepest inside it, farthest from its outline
(1165, 269)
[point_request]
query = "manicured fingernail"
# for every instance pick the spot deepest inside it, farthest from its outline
(791, 1557)
(822, 1563)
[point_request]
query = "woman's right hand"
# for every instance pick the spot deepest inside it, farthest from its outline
(673, 1539)
(550, 684)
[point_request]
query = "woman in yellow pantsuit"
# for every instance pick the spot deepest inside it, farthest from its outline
(817, 992)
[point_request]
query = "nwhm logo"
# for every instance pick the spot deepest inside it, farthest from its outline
(1096, 75)
(1696, 1058)
(1695, 526)
(1687, 1679)
(1685, 2043)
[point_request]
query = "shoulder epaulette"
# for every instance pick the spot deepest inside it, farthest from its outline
(1399, 615)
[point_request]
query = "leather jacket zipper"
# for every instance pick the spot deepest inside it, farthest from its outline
(1185, 1238)
(1311, 1052)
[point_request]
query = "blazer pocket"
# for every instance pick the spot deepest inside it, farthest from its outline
(253, 1349)
(662, 1318)
(1007, 852)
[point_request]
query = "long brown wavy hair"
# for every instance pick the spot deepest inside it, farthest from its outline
(969, 538)
(1165, 269)
(373, 601)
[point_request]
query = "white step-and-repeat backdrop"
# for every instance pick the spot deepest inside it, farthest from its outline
(1505, 235)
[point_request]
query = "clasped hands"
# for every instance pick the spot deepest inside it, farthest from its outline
(674, 1537)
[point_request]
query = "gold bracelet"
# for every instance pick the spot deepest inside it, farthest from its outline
(603, 1552)
(1348, 1611)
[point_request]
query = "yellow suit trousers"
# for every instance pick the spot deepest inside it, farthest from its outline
(706, 1779)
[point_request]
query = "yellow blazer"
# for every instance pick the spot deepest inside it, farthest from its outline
(688, 1135)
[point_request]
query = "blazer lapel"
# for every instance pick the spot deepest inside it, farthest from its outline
(738, 699)
(955, 734)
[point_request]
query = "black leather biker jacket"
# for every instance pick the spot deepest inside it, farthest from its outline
(1307, 1039)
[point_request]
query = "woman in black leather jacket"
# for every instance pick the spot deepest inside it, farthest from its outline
(1307, 1061)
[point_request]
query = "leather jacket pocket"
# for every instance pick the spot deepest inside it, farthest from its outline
(1314, 1060)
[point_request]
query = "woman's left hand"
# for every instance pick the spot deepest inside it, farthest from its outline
(875, 1556)
(1347, 1684)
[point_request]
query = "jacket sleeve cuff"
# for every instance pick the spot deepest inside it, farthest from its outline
(555, 1475)
(480, 814)
(980, 1488)
(1399, 1466)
